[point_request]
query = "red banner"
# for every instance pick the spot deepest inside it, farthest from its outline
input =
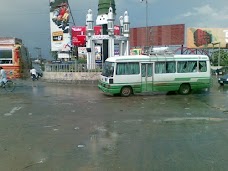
(79, 34)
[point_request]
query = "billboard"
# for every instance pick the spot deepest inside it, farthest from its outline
(137, 51)
(82, 53)
(59, 25)
(79, 34)
(207, 37)
(157, 35)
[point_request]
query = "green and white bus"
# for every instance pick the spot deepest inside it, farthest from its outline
(126, 75)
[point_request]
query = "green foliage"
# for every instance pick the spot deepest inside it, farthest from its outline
(81, 61)
(54, 54)
(223, 58)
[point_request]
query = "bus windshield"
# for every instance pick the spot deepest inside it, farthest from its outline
(108, 69)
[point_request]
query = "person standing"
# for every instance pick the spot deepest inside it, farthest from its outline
(217, 72)
(3, 77)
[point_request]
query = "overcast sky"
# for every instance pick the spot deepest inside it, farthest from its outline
(29, 19)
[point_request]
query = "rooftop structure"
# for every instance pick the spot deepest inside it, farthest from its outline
(103, 6)
(103, 10)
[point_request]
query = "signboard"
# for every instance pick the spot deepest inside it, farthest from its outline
(157, 35)
(116, 30)
(79, 34)
(207, 37)
(136, 51)
(82, 53)
(63, 55)
(98, 56)
(116, 50)
(97, 30)
(59, 25)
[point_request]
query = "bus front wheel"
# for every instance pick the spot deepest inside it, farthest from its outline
(184, 89)
(126, 91)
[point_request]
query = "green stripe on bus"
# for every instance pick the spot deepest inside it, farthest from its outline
(182, 79)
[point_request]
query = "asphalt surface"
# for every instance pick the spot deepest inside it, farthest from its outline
(68, 127)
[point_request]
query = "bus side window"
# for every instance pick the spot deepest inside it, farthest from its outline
(195, 67)
(149, 70)
(202, 66)
(192, 66)
(160, 67)
(121, 69)
(131, 68)
(181, 66)
(170, 67)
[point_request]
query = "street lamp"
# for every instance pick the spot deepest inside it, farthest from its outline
(147, 44)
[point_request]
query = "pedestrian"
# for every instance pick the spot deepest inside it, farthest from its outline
(3, 77)
(33, 75)
(217, 72)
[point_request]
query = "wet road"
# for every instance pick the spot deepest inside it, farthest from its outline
(60, 127)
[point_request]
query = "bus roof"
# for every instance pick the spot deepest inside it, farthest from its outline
(145, 58)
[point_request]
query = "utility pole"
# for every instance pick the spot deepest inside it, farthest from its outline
(147, 43)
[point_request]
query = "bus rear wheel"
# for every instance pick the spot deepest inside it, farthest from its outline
(184, 89)
(126, 91)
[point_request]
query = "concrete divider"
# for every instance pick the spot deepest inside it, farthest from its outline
(72, 77)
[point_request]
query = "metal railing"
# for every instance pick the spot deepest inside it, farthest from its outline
(74, 67)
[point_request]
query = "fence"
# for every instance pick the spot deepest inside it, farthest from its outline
(73, 67)
(73, 73)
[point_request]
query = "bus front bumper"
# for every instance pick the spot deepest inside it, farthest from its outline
(107, 88)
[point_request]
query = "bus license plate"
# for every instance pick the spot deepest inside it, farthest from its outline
(221, 81)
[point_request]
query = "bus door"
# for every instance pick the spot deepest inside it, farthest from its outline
(147, 77)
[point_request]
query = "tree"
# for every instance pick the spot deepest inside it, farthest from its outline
(223, 58)
(54, 54)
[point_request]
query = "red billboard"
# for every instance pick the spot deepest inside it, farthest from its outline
(157, 35)
(98, 30)
(79, 34)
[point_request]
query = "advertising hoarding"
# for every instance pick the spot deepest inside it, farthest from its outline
(98, 56)
(157, 35)
(136, 51)
(59, 25)
(79, 34)
(82, 53)
(207, 37)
